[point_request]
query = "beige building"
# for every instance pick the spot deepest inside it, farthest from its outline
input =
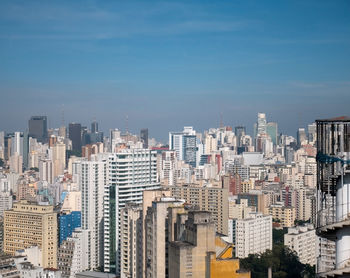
(285, 215)
(29, 224)
(198, 253)
(156, 236)
(212, 199)
(131, 241)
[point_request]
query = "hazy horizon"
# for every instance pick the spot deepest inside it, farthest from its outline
(176, 63)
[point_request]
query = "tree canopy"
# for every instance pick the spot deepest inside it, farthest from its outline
(283, 261)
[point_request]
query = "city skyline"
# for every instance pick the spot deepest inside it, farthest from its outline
(166, 65)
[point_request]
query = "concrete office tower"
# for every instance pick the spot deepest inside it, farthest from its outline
(301, 137)
(62, 132)
(311, 133)
(333, 190)
(46, 170)
(130, 173)
(75, 135)
(17, 144)
(260, 125)
(94, 127)
(198, 253)
(168, 168)
(212, 199)
(272, 131)
(156, 229)
(38, 128)
(240, 131)
(131, 229)
(252, 235)
(304, 242)
(148, 196)
(59, 158)
(16, 163)
(144, 137)
(93, 183)
(25, 150)
(2, 145)
(73, 254)
(185, 145)
(29, 224)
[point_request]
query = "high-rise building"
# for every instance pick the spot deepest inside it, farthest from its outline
(252, 235)
(130, 173)
(156, 229)
(212, 199)
(94, 127)
(93, 183)
(272, 131)
(29, 224)
(240, 131)
(303, 241)
(185, 145)
(311, 133)
(301, 137)
(73, 254)
(260, 125)
(68, 222)
(38, 128)
(75, 135)
(198, 253)
(333, 190)
(130, 241)
(144, 137)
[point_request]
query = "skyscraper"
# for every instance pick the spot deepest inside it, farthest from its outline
(75, 136)
(239, 132)
(185, 145)
(93, 183)
(272, 131)
(144, 137)
(38, 128)
(130, 173)
(94, 127)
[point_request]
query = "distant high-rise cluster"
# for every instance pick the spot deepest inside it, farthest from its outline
(77, 203)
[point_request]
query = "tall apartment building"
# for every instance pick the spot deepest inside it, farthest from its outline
(73, 254)
(30, 224)
(212, 199)
(303, 240)
(130, 173)
(252, 235)
(131, 229)
(93, 183)
(284, 214)
(156, 229)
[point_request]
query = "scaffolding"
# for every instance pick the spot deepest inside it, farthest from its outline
(333, 191)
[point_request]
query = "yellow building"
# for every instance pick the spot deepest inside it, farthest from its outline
(286, 215)
(29, 224)
(222, 263)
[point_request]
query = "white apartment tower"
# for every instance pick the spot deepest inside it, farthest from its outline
(252, 235)
(93, 183)
(130, 173)
(304, 242)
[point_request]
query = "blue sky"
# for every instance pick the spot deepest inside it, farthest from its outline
(167, 64)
